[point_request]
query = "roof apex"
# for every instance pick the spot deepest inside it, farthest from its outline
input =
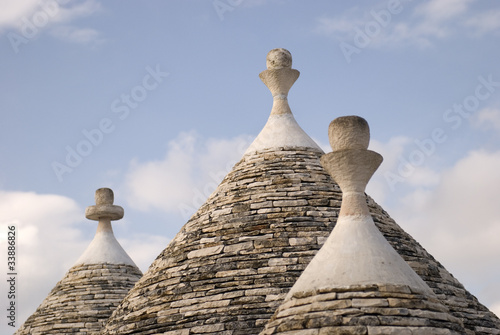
(356, 252)
(104, 248)
(281, 129)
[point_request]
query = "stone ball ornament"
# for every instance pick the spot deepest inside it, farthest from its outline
(278, 59)
(349, 132)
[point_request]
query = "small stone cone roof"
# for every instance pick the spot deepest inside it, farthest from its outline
(357, 283)
(89, 292)
(232, 264)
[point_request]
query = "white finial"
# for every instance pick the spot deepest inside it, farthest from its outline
(355, 253)
(279, 78)
(104, 248)
(350, 164)
(281, 129)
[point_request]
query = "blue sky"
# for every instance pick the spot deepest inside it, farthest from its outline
(159, 99)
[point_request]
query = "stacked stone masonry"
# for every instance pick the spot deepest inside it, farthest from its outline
(363, 310)
(82, 301)
(231, 265)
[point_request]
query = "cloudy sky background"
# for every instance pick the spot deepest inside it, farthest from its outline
(158, 100)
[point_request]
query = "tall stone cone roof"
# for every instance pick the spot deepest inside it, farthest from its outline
(357, 283)
(89, 292)
(232, 264)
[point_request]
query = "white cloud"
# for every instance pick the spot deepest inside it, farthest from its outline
(13, 10)
(77, 10)
(491, 294)
(16, 12)
(50, 238)
(143, 248)
(377, 27)
(30, 18)
(485, 22)
(451, 212)
(189, 173)
(442, 10)
(390, 150)
(395, 157)
(495, 308)
(413, 23)
(77, 35)
(458, 220)
(42, 222)
(329, 26)
(433, 21)
(429, 20)
(487, 118)
(160, 184)
(341, 25)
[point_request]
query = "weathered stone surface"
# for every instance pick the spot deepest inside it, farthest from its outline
(83, 300)
(350, 280)
(173, 276)
(363, 314)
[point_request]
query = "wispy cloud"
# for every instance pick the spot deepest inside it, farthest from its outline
(342, 25)
(393, 152)
(190, 171)
(419, 24)
(441, 10)
(162, 183)
(487, 118)
(26, 20)
(77, 35)
(41, 13)
(485, 22)
(456, 218)
(14, 10)
(430, 20)
(78, 10)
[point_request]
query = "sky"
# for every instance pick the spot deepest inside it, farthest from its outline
(159, 99)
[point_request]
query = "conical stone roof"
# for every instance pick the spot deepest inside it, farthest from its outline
(85, 298)
(233, 262)
(357, 283)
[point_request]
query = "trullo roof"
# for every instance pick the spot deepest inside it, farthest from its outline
(357, 283)
(89, 292)
(232, 264)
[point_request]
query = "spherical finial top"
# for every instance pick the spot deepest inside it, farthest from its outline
(104, 196)
(349, 132)
(278, 59)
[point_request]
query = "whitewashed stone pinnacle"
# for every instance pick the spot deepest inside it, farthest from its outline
(355, 253)
(281, 129)
(104, 248)
(357, 283)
